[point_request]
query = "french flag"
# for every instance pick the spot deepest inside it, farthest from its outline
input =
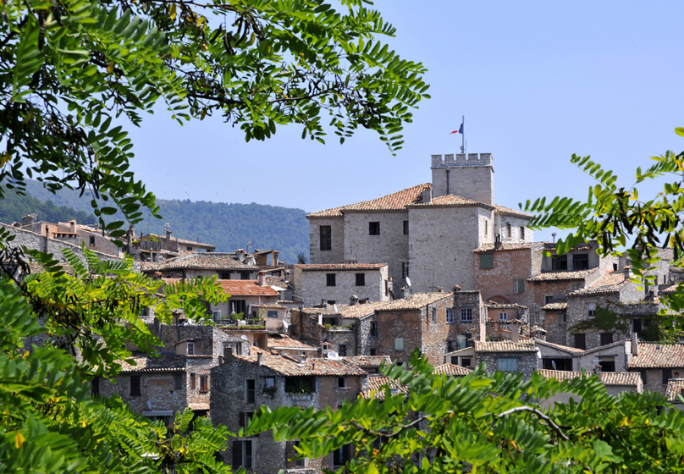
(460, 130)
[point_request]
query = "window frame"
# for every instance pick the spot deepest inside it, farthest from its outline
(450, 316)
(178, 381)
(466, 312)
(137, 391)
(575, 259)
(583, 343)
(204, 383)
(342, 350)
(244, 448)
(341, 382)
(330, 279)
(325, 241)
(503, 316)
(360, 279)
(667, 375)
(522, 233)
(398, 343)
(373, 330)
(503, 364)
(591, 310)
(486, 261)
(406, 227)
(190, 348)
(250, 393)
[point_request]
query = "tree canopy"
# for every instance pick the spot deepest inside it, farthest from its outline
(74, 73)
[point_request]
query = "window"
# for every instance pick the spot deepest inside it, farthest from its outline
(95, 386)
(386, 288)
(300, 384)
(557, 364)
(373, 352)
(238, 306)
(332, 302)
(293, 459)
(177, 381)
(191, 349)
(636, 325)
(519, 285)
(92, 241)
(245, 416)
(486, 227)
(580, 261)
(509, 232)
(238, 349)
(398, 343)
(434, 315)
(342, 350)
(580, 341)
(507, 365)
(341, 382)
(667, 375)
(404, 269)
(242, 454)
(330, 279)
(272, 313)
(342, 455)
(250, 387)
(466, 314)
(189, 248)
(559, 262)
(373, 228)
(548, 299)
(643, 376)
(465, 362)
(406, 227)
(486, 260)
(615, 267)
(244, 276)
(135, 386)
(607, 365)
(193, 381)
(269, 382)
(450, 346)
(360, 279)
(204, 383)
(606, 338)
(591, 310)
(503, 316)
(326, 237)
(373, 329)
(522, 232)
(450, 316)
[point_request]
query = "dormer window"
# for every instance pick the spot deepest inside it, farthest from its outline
(191, 349)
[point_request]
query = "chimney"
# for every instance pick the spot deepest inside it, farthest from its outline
(131, 231)
(260, 359)
(29, 219)
(274, 258)
(515, 330)
(261, 279)
(353, 300)
(406, 291)
(456, 288)
(597, 370)
(635, 344)
(440, 289)
(227, 354)
(168, 236)
(72, 226)
(426, 196)
(240, 255)
(497, 241)
(47, 239)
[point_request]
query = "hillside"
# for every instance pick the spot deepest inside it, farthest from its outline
(13, 207)
(222, 224)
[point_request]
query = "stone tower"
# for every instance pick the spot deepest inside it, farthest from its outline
(470, 176)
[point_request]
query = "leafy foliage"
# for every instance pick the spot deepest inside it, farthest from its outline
(488, 423)
(73, 72)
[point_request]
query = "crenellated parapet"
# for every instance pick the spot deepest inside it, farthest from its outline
(461, 159)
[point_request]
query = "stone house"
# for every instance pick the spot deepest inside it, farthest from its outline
(286, 345)
(658, 364)
(243, 384)
(339, 283)
(205, 264)
(675, 387)
(509, 356)
(610, 292)
(174, 244)
(248, 297)
(615, 382)
(425, 233)
(470, 318)
(613, 357)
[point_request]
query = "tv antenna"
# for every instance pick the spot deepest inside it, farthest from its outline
(167, 226)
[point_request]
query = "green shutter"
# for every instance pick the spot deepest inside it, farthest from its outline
(486, 260)
(521, 285)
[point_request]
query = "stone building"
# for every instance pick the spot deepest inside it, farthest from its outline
(243, 384)
(658, 364)
(615, 382)
(509, 356)
(613, 357)
(425, 233)
(393, 328)
(174, 244)
(339, 283)
(204, 264)
(73, 233)
(612, 292)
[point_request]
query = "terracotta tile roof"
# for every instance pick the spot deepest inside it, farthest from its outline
(202, 261)
(392, 202)
(505, 346)
(170, 363)
(268, 306)
(671, 289)
(505, 306)
(674, 388)
(451, 369)
(289, 367)
(607, 284)
(608, 378)
(376, 388)
(505, 247)
(505, 211)
(449, 200)
(563, 275)
(560, 347)
(238, 287)
(276, 281)
(340, 267)
(369, 361)
(282, 341)
(417, 301)
(555, 307)
(658, 356)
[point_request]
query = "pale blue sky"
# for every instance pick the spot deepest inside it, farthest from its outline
(537, 81)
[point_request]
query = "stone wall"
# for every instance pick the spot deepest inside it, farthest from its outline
(469, 300)
(470, 176)
(157, 389)
(441, 244)
(556, 326)
(501, 228)
(527, 361)
(312, 285)
(336, 254)
(497, 283)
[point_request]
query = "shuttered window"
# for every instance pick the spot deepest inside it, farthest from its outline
(487, 260)
(507, 365)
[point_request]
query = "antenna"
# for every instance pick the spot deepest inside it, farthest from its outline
(408, 282)
(167, 226)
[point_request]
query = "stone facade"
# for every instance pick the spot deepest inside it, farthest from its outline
(526, 361)
(470, 176)
(311, 283)
(469, 326)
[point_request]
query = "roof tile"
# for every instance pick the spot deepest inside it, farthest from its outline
(563, 275)
(658, 356)
(610, 283)
(505, 346)
(289, 367)
(392, 202)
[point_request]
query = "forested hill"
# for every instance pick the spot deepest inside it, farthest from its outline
(222, 224)
(13, 207)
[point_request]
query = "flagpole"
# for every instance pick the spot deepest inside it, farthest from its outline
(463, 135)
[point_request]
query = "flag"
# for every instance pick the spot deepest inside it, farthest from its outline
(460, 130)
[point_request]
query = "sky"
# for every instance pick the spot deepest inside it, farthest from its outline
(536, 82)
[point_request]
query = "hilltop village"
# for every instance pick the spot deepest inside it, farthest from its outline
(439, 267)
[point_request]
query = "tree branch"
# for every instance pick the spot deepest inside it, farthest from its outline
(539, 414)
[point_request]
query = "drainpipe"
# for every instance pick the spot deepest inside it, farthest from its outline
(447, 181)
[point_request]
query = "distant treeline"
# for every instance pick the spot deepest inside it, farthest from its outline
(13, 207)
